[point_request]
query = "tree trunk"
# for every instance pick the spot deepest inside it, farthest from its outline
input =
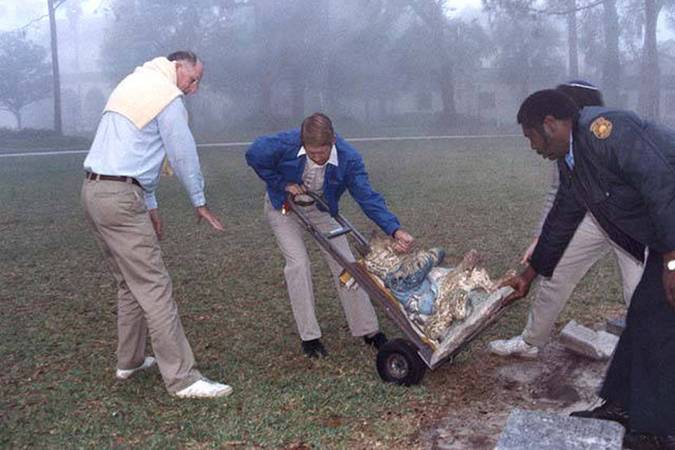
(432, 14)
(298, 81)
(648, 103)
(573, 47)
(325, 82)
(58, 127)
(17, 116)
(74, 13)
(611, 67)
(447, 81)
(447, 77)
(260, 8)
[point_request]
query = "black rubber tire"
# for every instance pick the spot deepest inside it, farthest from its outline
(398, 362)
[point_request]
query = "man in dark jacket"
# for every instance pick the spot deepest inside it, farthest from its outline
(621, 169)
(314, 159)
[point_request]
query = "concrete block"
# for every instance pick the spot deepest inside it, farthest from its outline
(616, 326)
(534, 430)
(586, 342)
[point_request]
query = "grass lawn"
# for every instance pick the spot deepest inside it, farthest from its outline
(57, 305)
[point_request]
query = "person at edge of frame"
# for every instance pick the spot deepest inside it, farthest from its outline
(314, 159)
(586, 247)
(621, 169)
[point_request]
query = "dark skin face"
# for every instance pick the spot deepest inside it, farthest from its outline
(552, 139)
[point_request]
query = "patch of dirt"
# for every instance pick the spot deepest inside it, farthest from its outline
(558, 381)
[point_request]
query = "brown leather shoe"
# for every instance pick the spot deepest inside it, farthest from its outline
(634, 440)
(607, 411)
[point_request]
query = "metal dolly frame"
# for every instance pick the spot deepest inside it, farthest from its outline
(400, 361)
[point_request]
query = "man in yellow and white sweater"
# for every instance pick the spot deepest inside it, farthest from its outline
(144, 122)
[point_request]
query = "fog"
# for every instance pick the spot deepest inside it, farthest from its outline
(377, 67)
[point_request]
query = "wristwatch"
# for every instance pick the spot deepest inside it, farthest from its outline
(670, 265)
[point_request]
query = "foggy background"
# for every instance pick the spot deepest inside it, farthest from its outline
(377, 67)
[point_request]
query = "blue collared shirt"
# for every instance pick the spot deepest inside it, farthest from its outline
(569, 157)
(120, 148)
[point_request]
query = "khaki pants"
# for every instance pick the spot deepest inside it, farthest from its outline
(289, 233)
(118, 216)
(588, 244)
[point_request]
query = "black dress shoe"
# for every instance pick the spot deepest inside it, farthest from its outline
(377, 340)
(314, 349)
(634, 440)
(607, 411)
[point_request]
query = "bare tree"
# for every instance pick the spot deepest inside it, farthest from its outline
(432, 13)
(568, 8)
(572, 39)
(650, 75)
(24, 74)
(611, 67)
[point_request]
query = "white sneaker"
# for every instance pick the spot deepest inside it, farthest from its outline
(516, 346)
(123, 374)
(204, 389)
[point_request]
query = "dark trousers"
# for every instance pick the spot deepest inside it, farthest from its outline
(642, 373)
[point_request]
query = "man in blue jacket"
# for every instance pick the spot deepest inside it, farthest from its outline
(314, 159)
(621, 169)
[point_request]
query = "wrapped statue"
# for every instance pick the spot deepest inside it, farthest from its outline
(434, 298)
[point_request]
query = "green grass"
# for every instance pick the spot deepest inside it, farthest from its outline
(57, 305)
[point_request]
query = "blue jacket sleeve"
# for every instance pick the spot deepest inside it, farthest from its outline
(264, 156)
(371, 202)
(559, 227)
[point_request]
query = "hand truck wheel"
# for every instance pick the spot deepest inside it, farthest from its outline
(398, 362)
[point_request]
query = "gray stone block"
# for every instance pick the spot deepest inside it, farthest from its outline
(586, 342)
(533, 430)
(616, 326)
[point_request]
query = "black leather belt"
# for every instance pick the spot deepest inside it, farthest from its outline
(123, 179)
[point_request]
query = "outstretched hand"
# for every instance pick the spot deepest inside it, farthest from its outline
(404, 241)
(520, 283)
(203, 212)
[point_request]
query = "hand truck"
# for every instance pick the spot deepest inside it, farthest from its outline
(402, 360)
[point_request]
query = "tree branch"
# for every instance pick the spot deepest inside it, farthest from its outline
(37, 19)
(566, 11)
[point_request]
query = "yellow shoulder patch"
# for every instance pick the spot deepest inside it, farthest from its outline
(601, 128)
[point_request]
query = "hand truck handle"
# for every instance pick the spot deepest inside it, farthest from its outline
(345, 225)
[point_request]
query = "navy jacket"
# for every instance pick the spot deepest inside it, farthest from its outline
(275, 159)
(626, 179)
